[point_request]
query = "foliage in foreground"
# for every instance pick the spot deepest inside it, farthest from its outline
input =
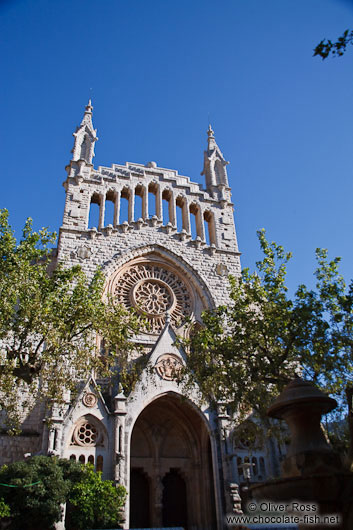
(93, 502)
(338, 48)
(250, 349)
(36, 506)
(49, 320)
(4, 509)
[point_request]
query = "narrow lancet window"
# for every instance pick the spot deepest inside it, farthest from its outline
(94, 211)
(210, 230)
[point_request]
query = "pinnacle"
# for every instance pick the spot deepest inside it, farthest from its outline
(89, 107)
(210, 131)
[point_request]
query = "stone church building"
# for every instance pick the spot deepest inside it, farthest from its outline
(166, 246)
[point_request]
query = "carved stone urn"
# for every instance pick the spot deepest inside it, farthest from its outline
(301, 405)
(311, 472)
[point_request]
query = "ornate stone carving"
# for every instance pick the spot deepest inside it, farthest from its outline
(153, 290)
(167, 366)
(84, 252)
(221, 269)
(89, 399)
(153, 297)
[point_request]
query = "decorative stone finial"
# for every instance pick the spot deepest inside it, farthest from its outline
(210, 131)
(89, 107)
(211, 139)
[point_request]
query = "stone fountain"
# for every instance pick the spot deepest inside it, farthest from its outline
(311, 472)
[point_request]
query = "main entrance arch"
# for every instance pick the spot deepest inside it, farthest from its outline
(171, 473)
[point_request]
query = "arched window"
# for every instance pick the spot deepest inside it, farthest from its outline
(167, 207)
(120, 438)
(196, 221)
(94, 211)
(140, 204)
(254, 469)
(124, 205)
(109, 208)
(82, 459)
(210, 229)
(262, 467)
(73, 457)
(182, 215)
(91, 460)
(152, 199)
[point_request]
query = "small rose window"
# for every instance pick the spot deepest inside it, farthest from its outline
(87, 433)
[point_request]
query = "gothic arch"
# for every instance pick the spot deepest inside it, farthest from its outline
(185, 449)
(143, 251)
(88, 442)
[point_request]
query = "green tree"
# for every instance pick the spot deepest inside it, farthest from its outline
(50, 316)
(338, 48)
(34, 491)
(4, 509)
(248, 350)
(94, 503)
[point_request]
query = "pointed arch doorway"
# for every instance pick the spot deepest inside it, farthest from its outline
(171, 473)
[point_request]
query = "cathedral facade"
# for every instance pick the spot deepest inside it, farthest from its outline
(166, 248)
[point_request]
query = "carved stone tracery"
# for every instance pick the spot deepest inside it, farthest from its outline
(154, 290)
(86, 433)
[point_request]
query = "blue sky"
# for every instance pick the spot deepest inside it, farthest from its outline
(156, 71)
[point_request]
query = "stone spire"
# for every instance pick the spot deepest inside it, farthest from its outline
(85, 138)
(214, 166)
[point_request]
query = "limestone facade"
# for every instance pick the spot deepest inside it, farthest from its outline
(169, 252)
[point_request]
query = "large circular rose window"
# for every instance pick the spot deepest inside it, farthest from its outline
(154, 291)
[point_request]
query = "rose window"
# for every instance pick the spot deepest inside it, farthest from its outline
(86, 433)
(153, 297)
(153, 291)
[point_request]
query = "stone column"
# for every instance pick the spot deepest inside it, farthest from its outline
(101, 211)
(116, 209)
(223, 422)
(157, 493)
(159, 209)
(172, 210)
(200, 226)
(119, 428)
(131, 205)
(186, 217)
(145, 203)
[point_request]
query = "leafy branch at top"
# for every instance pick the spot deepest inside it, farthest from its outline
(337, 49)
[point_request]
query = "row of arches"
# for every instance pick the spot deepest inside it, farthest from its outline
(89, 459)
(256, 467)
(145, 202)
